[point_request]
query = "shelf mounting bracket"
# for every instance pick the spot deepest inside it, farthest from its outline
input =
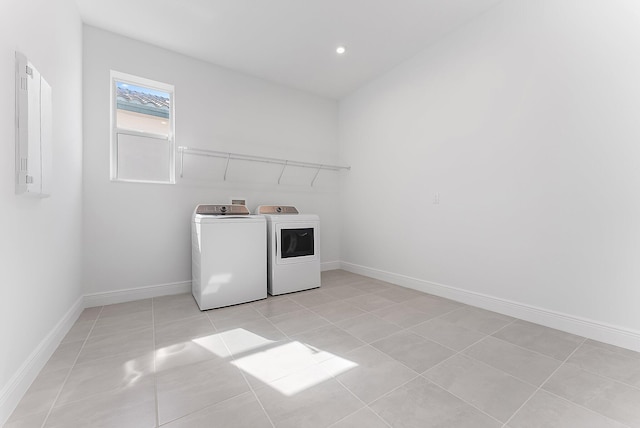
(282, 171)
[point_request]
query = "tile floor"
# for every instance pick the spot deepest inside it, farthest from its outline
(355, 353)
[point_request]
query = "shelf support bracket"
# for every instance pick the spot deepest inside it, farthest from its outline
(316, 176)
(282, 171)
(226, 167)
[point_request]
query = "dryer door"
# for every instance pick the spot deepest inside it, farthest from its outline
(296, 242)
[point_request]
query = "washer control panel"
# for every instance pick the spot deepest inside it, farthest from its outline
(222, 210)
(276, 209)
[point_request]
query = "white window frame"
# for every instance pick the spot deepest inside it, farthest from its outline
(117, 76)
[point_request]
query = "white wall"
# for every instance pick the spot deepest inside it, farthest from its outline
(137, 235)
(526, 122)
(40, 244)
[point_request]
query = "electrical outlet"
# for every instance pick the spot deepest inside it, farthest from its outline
(436, 198)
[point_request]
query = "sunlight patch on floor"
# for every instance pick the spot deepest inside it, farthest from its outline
(292, 367)
(287, 366)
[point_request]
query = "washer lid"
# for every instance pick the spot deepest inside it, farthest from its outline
(276, 209)
(222, 209)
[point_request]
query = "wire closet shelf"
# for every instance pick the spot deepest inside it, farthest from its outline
(263, 159)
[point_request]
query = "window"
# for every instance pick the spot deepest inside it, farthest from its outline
(142, 140)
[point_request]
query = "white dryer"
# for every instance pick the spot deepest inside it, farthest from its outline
(293, 249)
(228, 257)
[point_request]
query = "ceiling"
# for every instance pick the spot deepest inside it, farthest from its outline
(291, 42)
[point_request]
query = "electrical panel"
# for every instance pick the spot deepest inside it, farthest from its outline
(34, 130)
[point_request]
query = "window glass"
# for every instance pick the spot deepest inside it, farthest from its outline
(142, 142)
(143, 158)
(142, 109)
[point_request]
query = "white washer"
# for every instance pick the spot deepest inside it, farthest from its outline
(293, 249)
(228, 257)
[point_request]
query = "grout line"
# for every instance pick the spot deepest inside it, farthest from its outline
(179, 319)
(251, 390)
(601, 375)
(494, 368)
(319, 364)
(586, 409)
(503, 327)
(561, 362)
(359, 410)
(402, 328)
(460, 352)
(484, 338)
(345, 319)
(203, 408)
(543, 383)
(540, 354)
(456, 352)
(366, 406)
(286, 313)
(244, 376)
(514, 320)
(334, 324)
(461, 399)
(419, 375)
(369, 344)
(391, 391)
(637, 388)
(377, 399)
(71, 368)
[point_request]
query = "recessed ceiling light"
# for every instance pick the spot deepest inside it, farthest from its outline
(340, 50)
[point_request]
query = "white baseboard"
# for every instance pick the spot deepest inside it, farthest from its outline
(146, 292)
(591, 329)
(330, 265)
(18, 385)
(131, 294)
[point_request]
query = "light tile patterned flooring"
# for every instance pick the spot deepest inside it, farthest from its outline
(355, 353)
